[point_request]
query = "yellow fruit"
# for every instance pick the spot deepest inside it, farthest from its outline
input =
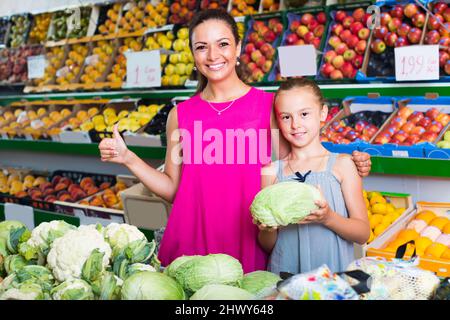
(366, 201)
(169, 70)
(422, 244)
(408, 235)
(439, 222)
(375, 220)
(174, 80)
(371, 237)
(446, 254)
(373, 193)
(390, 208)
(82, 115)
(377, 199)
(426, 216)
(379, 208)
(180, 69)
(123, 114)
(387, 220)
(92, 111)
(87, 126)
(379, 229)
(183, 33)
(364, 193)
(446, 228)
(369, 214)
(100, 127)
(400, 210)
(392, 246)
(435, 250)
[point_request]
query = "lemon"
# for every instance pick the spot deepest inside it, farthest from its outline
(408, 235)
(435, 250)
(400, 210)
(379, 208)
(366, 201)
(369, 213)
(375, 220)
(422, 244)
(379, 229)
(390, 208)
(387, 220)
(373, 193)
(364, 193)
(439, 222)
(377, 199)
(426, 216)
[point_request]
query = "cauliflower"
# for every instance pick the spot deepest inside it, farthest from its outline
(69, 253)
(120, 235)
(24, 291)
(42, 237)
(74, 289)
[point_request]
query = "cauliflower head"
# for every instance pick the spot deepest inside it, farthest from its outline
(69, 252)
(120, 235)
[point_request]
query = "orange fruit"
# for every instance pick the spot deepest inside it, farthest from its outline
(426, 216)
(380, 228)
(446, 254)
(408, 235)
(422, 244)
(439, 222)
(435, 250)
(446, 228)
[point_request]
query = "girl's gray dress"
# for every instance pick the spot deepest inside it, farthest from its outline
(302, 248)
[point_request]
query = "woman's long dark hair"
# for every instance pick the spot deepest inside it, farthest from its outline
(221, 15)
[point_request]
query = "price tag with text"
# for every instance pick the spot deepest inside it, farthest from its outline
(143, 69)
(36, 66)
(297, 60)
(417, 63)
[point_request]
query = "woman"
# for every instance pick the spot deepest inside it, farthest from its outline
(225, 136)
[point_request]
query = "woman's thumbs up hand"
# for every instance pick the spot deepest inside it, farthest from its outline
(113, 149)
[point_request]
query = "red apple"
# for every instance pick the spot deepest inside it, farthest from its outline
(358, 61)
(300, 42)
(400, 136)
(440, 7)
(345, 35)
(340, 15)
(391, 39)
(445, 32)
(347, 22)
(258, 25)
(358, 14)
(306, 18)
(336, 75)
(416, 116)
(414, 35)
(405, 112)
(278, 28)
(294, 25)
(321, 17)
(261, 61)
(398, 122)
(370, 130)
(407, 127)
(313, 24)
(424, 122)
(410, 10)
(337, 28)
(418, 130)
(394, 24)
(267, 66)
(412, 139)
(435, 22)
(347, 70)
(401, 42)
(338, 61)
(269, 36)
(443, 58)
(361, 46)
(341, 48)
(253, 37)
(291, 39)
(352, 41)
(360, 125)
(432, 37)
(364, 34)
(260, 43)
(381, 32)
(446, 14)
(403, 30)
(435, 127)
(443, 118)
(256, 55)
(397, 12)
(326, 69)
(319, 30)
(329, 56)
(349, 55)
(265, 49)
(382, 138)
(316, 42)
(309, 36)
(366, 18)
(252, 66)
(356, 26)
(249, 48)
(302, 30)
(432, 113)
(385, 18)
(245, 58)
(378, 46)
(429, 136)
(418, 20)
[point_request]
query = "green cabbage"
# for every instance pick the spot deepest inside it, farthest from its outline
(75, 289)
(36, 274)
(148, 285)
(24, 291)
(222, 292)
(255, 282)
(210, 269)
(178, 262)
(284, 203)
(14, 262)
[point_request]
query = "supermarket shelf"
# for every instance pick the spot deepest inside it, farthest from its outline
(329, 91)
(380, 165)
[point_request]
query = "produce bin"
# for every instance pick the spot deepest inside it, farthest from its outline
(379, 246)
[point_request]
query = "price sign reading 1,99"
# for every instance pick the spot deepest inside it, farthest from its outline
(417, 63)
(143, 69)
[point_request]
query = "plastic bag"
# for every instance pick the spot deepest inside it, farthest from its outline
(396, 279)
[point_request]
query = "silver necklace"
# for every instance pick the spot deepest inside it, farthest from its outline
(220, 111)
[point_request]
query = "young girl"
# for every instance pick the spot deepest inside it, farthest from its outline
(327, 235)
(211, 195)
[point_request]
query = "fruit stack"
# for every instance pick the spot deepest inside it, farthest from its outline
(346, 44)
(445, 142)
(180, 65)
(79, 121)
(270, 5)
(244, 7)
(438, 32)
(37, 129)
(69, 73)
(157, 126)
(333, 110)
(9, 123)
(241, 30)
(4, 25)
(13, 63)
(182, 11)
(99, 61)
(119, 69)
(105, 121)
(159, 40)
(110, 20)
(80, 30)
(20, 26)
(132, 18)
(213, 4)
(109, 198)
(156, 15)
(55, 57)
(134, 120)
(58, 26)
(18, 185)
(401, 25)
(304, 28)
(22, 118)
(409, 127)
(381, 213)
(38, 33)
(359, 126)
(263, 36)
(431, 235)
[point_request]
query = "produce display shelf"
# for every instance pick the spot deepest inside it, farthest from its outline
(330, 91)
(380, 165)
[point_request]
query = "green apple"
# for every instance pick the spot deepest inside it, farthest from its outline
(447, 136)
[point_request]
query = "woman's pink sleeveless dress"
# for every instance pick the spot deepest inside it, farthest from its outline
(220, 175)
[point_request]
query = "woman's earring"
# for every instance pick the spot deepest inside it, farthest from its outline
(194, 68)
(238, 62)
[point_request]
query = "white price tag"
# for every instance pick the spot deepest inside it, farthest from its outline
(143, 69)
(191, 83)
(91, 60)
(297, 60)
(400, 154)
(167, 27)
(417, 63)
(62, 72)
(36, 66)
